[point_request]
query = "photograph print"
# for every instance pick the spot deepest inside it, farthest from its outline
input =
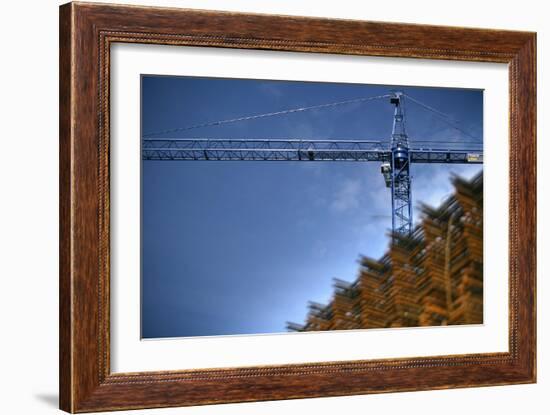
(272, 206)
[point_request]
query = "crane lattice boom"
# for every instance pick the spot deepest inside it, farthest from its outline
(202, 149)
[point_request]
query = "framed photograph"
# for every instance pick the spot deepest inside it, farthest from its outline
(258, 207)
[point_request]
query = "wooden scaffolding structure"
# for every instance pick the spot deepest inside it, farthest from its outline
(434, 277)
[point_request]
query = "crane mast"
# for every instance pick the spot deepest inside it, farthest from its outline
(400, 171)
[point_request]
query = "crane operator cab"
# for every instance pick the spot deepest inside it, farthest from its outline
(385, 169)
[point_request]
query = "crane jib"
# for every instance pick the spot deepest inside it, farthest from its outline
(281, 153)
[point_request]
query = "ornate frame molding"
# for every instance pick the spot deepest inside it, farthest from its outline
(86, 33)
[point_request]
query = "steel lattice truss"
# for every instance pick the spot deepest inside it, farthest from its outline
(200, 149)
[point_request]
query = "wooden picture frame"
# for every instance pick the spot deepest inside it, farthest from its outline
(86, 33)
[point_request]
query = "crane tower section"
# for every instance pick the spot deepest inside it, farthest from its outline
(399, 170)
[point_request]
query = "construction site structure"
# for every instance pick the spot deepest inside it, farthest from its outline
(432, 277)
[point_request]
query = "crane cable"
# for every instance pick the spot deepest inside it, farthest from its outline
(265, 115)
(444, 117)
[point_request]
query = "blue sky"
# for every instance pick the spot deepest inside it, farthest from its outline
(241, 247)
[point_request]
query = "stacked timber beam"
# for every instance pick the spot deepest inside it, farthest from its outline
(434, 277)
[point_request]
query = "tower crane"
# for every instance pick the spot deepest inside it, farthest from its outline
(395, 155)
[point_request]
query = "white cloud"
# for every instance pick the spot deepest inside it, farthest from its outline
(347, 196)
